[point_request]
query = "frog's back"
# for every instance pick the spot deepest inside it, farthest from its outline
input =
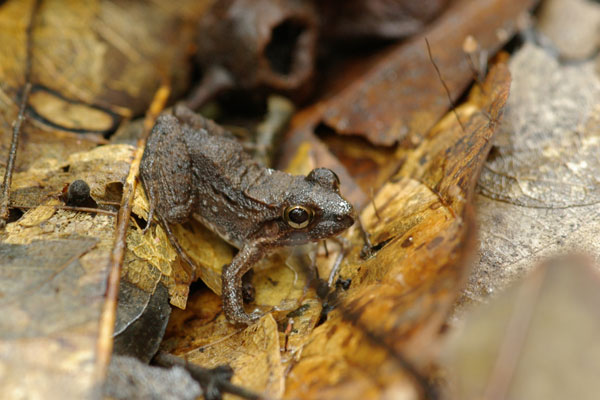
(236, 194)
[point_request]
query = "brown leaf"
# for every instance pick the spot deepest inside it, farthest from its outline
(51, 306)
(91, 68)
(378, 18)
(519, 345)
(397, 97)
(401, 94)
(54, 283)
(539, 191)
(399, 298)
(253, 352)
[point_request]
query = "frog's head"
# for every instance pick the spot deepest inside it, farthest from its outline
(314, 209)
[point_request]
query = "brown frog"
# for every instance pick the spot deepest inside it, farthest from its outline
(194, 168)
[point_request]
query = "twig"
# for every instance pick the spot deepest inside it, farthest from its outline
(206, 377)
(70, 208)
(367, 250)
(374, 206)
(513, 341)
(109, 203)
(107, 319)
(14, 143)
(214, 81)
(439, 74)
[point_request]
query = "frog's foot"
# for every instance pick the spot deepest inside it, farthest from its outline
(188, 265)
(150, 217)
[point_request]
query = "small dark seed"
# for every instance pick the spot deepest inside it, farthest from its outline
(78, 195)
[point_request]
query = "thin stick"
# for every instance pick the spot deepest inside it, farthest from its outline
(474, 70)
(14, 143)
(374, 206)
(368, 246)
(513, 340)
(70, 208)
(214, 81)
(107, 319)
(439, 74)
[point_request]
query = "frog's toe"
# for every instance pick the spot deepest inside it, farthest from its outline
(243, 318)
(255, 316)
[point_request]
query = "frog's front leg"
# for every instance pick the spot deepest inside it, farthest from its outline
(231, 281)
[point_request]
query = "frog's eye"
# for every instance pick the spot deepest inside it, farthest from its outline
(297, 217)
(324, 177)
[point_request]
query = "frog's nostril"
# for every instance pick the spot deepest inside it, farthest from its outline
(350, 220)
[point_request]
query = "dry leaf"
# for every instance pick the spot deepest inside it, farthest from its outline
(539, 190)
(400, 97)
(55, 277)
(253, 352)
(51, 306)
(539, 340)
(91, 68)
(399, 298)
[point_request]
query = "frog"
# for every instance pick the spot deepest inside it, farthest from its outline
(194, 168)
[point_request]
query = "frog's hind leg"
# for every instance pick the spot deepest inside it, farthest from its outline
(152, 208)
(190, 270)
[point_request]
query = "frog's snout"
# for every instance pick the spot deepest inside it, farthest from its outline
(346, 220)
(346, 215)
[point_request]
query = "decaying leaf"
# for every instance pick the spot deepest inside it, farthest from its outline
(202, 335)
(253, 353)
(387, 19)
(103, 169)
(54, 276)
(539, 190)
(402, 94)
(50, 310)
(400, 97)
(51, 305)
(141, 320)
(539, 340)
(91, 68)
(399, 298)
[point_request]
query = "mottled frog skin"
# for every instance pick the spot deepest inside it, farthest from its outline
(193, 168)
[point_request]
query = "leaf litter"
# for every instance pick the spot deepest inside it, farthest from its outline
(379, 334)
(401, 303)
(538, 192)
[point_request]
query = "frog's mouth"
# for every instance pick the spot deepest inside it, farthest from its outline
(325, 229)
(320, 231)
